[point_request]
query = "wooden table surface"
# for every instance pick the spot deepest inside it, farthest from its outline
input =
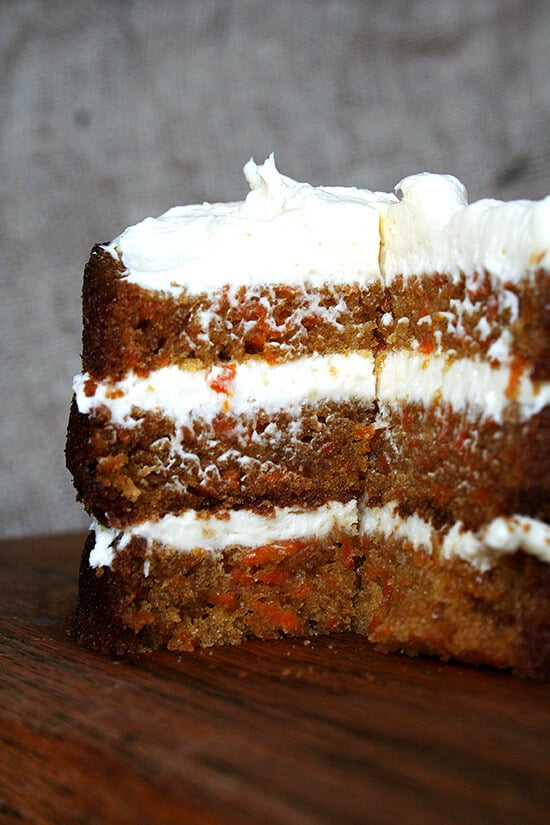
(283, 732)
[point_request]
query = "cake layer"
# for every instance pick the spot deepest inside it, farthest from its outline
(186, 395)
(127, 327)
(450, 465)
(478, 387)
(482, 548)
(472, 316)
(295, 269)
(309, 453)
(408, 601)
(213, 533)
(398, 580)
(445, 465)
(458, 438)
(184, 600)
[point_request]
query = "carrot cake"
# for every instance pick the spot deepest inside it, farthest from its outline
(315, 410)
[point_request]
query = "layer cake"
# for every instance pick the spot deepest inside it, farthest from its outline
(320, 409)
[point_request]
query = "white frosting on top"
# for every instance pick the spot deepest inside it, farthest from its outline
(212, 533)
(291, 232)
(463, 383)
(433, 229)
(285, 231)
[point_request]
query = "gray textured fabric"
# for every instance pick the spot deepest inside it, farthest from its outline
(115, 110)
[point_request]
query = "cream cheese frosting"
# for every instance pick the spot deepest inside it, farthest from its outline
(236, 388)
(284, 232)
(290, 232)
(194, 531)
(481, 548)
(213, 533)
(397, 377)
(432, 228)
(465, 384)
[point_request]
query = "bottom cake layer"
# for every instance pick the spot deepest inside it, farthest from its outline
(482, 598)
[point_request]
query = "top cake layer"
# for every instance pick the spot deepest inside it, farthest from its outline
(293, 233)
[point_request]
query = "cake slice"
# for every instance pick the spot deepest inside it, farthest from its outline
(319, 409)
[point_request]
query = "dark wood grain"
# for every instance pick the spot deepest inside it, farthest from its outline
(291, 732)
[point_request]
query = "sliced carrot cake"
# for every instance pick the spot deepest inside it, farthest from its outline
(320, 409)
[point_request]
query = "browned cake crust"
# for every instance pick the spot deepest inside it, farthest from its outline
(401, 599)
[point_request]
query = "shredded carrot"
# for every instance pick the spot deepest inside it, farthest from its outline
(229, 601)
(517, 369)
(272, 576)
(427, 346)
(283, 618)
(222, 380)
(347, 553)
(273, 552)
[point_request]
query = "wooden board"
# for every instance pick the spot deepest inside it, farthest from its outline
(283, 732)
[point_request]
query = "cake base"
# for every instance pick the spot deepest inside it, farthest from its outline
(401, 599)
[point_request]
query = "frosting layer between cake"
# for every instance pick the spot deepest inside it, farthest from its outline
(392, 378)
(194, 531)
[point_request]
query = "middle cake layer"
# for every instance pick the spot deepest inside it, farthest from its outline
(315, 429)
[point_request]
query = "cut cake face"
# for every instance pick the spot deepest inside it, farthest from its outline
(320, 409)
